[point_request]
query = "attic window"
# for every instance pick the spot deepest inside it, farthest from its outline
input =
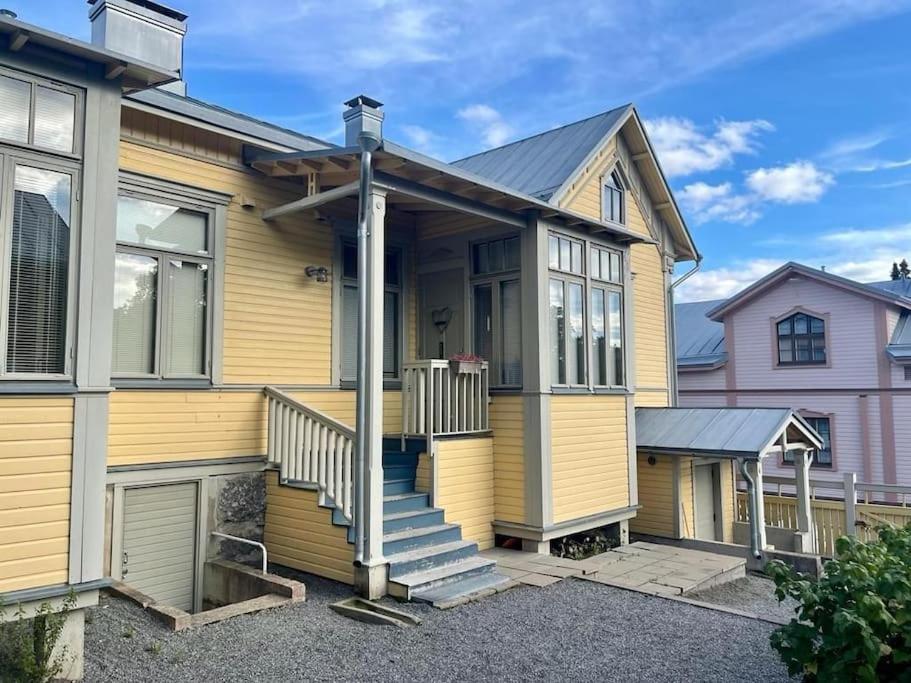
(613, 209)
(801, 340)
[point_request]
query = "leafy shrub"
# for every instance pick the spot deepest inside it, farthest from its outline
(854, 623)
(582, 545)
(27, 644)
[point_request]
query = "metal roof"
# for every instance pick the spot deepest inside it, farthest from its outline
(540, 164)
(700, 340)
(719, 432)
(216, 115)
(897, 287)
(135, 73)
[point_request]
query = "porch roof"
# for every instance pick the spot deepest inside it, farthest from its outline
(426, 182)
(748, 433)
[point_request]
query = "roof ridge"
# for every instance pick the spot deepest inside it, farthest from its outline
(543, 132)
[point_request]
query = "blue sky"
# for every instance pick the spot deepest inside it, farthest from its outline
(783, 125)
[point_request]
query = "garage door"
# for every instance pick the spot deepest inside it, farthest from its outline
(159, 542)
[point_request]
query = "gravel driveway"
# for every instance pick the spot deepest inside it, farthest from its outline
(574, 630)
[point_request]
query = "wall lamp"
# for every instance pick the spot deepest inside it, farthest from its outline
(321, 273)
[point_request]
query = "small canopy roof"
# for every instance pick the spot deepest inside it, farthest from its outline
(748, 433)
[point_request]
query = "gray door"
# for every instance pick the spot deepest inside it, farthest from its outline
(706, 494)
(442, 293)
(159, 542)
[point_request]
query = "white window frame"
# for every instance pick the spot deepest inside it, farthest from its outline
(9, 160)
(172, 195)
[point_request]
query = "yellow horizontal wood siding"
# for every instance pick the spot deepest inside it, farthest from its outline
(423, 476)
(728, 500)
(584, 196)
(590, 470)
(656, 496)
(465, 476)
(650, 316)
(300, 534)
(507, 423)
(36, 451)
(174, 426)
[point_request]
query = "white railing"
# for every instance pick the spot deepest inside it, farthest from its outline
(247, 541)
(438, 401)
(312, 448)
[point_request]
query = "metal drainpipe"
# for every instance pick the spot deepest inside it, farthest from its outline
(672, 327)
(751, 495)
(368, 144)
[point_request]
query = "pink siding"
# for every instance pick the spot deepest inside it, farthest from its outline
(850, 338)
(705, 379)
(702, 401)
(902, 408)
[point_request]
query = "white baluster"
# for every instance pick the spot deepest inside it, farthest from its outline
(299, 447)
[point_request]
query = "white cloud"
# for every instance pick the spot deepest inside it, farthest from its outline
(422, 139)
(488, 121)
(796, 183)
(720, 283)
(853, 154)
(685, 149)
(717, 202)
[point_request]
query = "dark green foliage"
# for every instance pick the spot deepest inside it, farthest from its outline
(854, 623)
(27, 644)
(896, 273)
(582, 545)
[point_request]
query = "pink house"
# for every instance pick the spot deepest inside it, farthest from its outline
(836, 350)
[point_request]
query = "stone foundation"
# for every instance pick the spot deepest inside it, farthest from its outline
(237, 506)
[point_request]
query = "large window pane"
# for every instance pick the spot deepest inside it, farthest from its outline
(135, 303)
(599, 338)
(161, 226)
(14, 109)
(187, 298)
(557, 334)
(390, 334)
(553, 252)
(511, 314)
(349, 332)
(38, 271)
(615, 345)
(575, 336)
(483, 314)
(55, 119)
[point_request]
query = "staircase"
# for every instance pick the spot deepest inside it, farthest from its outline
(428, 560)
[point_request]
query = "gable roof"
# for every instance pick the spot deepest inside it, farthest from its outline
(700, 340)
(876, 291)
(546, 165)
(540, 164)
(718, 432)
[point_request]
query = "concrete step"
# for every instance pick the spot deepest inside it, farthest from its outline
(409, 539)
(407, 585)
(412, 519)
(459, 592)
(430, 556)
(403, 502)
(236, 609)
(394, 486)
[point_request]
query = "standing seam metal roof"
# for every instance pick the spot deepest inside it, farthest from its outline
(540, 164)
(700, 340)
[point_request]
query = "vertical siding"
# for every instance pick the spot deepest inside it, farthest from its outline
(590, 470)
(465, 476)
(36, 449)
(728, 501)
(687, 503)
(507, 423)
(656, 496)
(300, 534)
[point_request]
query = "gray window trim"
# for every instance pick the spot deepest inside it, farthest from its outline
(213, 205)
(622, 179)
(9, 160)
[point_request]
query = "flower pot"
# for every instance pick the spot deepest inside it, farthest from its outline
(465, 367)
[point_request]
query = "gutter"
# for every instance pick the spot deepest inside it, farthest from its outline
(755, 550)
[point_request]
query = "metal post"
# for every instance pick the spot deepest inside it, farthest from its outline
(805, 533)
(851, 503)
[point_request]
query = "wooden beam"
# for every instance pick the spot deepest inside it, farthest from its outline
(113, 71)
(311, 202)
(338, 162)
(312, 164)
(640, 156)
(388, 163)
(660, 206)
(18, 40)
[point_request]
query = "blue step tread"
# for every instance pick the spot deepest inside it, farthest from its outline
(460, 592)
(406, 514)
(427, 557)
(446, 573)
(420, 531)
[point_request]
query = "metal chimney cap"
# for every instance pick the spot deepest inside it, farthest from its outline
(8, 13)
(156, 7)
(363, 100)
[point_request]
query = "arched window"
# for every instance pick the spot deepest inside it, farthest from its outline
(613, 199)
(801, 340)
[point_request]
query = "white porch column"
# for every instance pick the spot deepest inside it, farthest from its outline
(759, 498)
(805, 540)
(370, 576)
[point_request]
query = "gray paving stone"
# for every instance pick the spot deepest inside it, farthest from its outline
(538, 580)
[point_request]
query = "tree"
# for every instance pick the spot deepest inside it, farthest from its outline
(896, 273)
(904, 269)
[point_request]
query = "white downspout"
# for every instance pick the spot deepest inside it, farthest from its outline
(672, 329)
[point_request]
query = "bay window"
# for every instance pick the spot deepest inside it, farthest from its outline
(585, 315)
(497, 309)
(162, 288)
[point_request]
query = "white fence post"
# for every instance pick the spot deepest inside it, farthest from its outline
(851, 503)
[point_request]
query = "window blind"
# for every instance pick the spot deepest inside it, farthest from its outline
(511, 313)
(187, 296)
(135, 303)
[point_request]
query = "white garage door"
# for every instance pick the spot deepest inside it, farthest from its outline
(159, 542)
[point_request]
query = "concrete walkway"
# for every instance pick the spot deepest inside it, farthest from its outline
(642, 566)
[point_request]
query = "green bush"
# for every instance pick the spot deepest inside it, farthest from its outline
(853, 623)
(27, 644)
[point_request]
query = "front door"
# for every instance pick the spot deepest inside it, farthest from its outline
(442, 301)
(706, 491)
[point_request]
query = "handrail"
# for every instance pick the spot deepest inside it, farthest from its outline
(436, 401)
(248, 541)
(312, 447)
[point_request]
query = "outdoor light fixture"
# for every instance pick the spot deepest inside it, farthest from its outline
(321, 273)
(441, 318)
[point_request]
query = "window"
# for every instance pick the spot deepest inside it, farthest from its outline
(38, 244)
(585, 315)
(823, 456)
(37, 114)
(162, 289)
(392, 314)
(801, 340)
(613, 199)
(497, 309)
